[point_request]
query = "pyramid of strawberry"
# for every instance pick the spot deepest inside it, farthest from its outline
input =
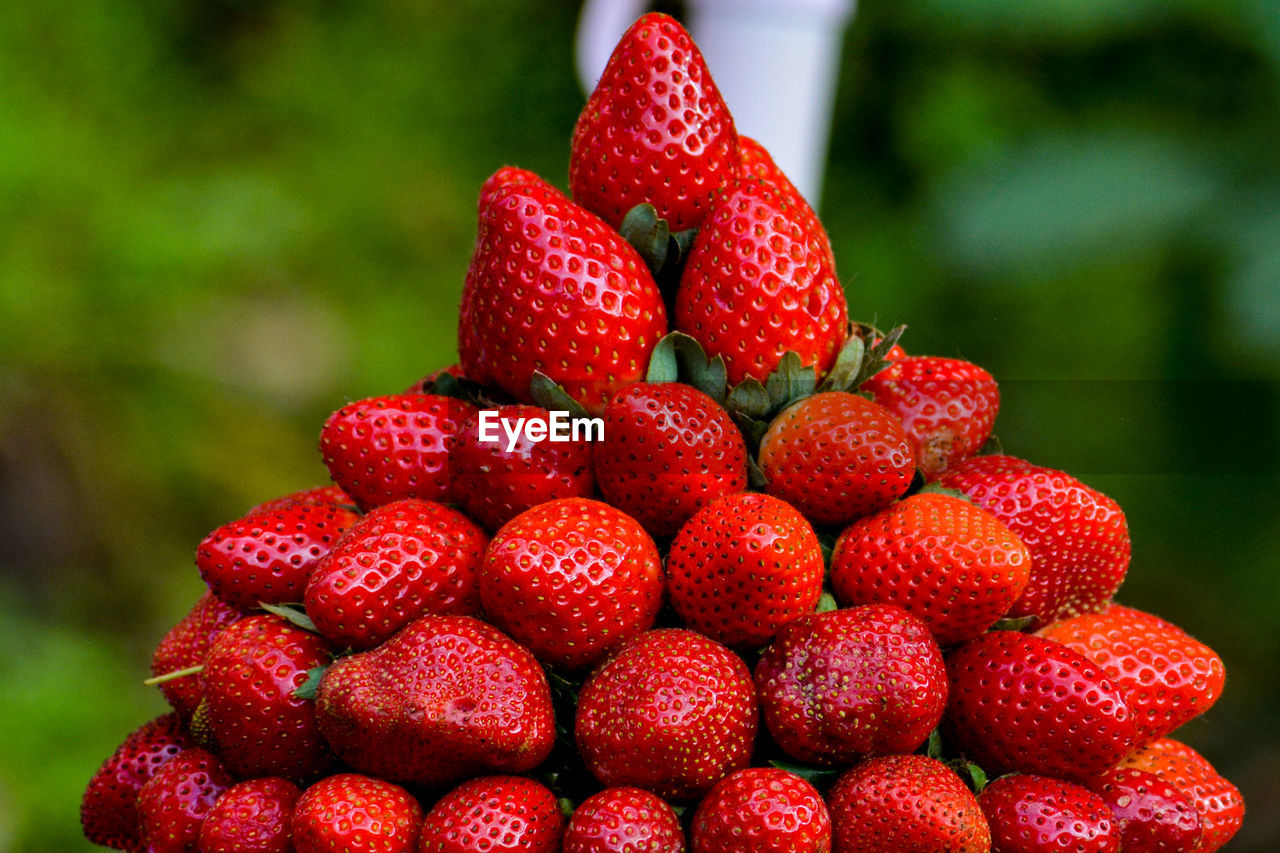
(677, 557)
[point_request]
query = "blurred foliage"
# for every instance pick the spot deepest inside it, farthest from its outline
(221, 219)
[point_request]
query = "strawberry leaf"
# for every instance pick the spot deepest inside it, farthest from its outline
(648, 234)
(308, 688)
(1014, 623)
(816, 776)
(991, 447)
(548, 394)
(294, 613)
(756, 478)
(977, 776)
(848, 363)
(680, 358)
(933, 747)
(749, 398)
(936, 489)
(826, 603)
(663, 365)
(790, 381)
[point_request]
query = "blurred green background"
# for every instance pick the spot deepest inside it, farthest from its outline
(221, 219)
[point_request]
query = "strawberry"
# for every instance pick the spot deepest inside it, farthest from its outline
(1078, 537)
(671, 711)
(623, 820)
(840, 685)
(836, 456)
(1151, 814)
(754, 160)
(496, 480)
(761, 810)
(109, 807)
(742, 567)
(259, 726)
(1020, 702)
(252, 816)
(1166, 676)
(947, 406)
(402, 560)
(507, 176)
(350, 812)
(907, 804)
(951, 563)
(1039, 814)
(185, 646)
(494, 814)
(572, 579)
(758, 283)
(382, 449)
(668, 450)
(173, 804)
(552, 288)
(1218, 801)
(266, 557)
(445, 698)
(654, 130)
(330, 494)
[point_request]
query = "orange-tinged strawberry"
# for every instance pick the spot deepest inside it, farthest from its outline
(756, 161)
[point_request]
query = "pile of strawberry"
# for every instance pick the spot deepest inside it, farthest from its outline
(788, 600)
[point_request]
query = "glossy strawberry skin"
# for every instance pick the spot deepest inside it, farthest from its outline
(552, 288)
(892, 685)
(259, 726)
(349, 812)
(761, 810)
(1020, 702)
(403, 560)
(1078, 537)
(267, 557)
(757, 284)
(742, 567)
(1040, 814)
(908, 804)
(754, 160)
(507, 176)
(174, 803)
(445, 698)
(382, 449)
(495, 481)
(572, 580)
(252, 816)
(836, 456)
(108, 809)
(655, 130)
(186, 645)
(671, 711)
(951, 563)
(947, 406)
(1167, 676)
(1218, 801)
(623, 820)
(495, 814)
(668, 450)
(330, 494)
(1151, 815)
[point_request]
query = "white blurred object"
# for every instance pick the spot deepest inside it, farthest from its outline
(774, 61)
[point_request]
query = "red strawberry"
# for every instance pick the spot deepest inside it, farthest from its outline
(173, 804)
(758, 283)
(907, 804)
(624, 820)
(1219, 802)
(571, 580)
(186, 645)
(947, 406)
(836, 456)
(402, 560)
(742, 567)
(267, 557)
(654, 130)
(498, 476)
(1078, 537)
(668, 449)
(1151, 815)
(382, 449)
(1020, 702)
(761, 810)
(507, 176)
(951, 563)
(445, 698)
(1039, 814)
(754, 160)
(1166, 676)
(552, 288)
(259, 726)
(109, 810)
(252, 817)
(350, 812)
(494, 814)
(329, 495)
(840, 685)
(671, 712)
